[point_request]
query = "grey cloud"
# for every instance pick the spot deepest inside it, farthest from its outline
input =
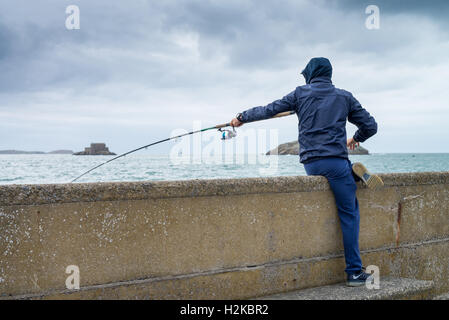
(38, 52)
(137, 55)
(275, 35)
(435, 8)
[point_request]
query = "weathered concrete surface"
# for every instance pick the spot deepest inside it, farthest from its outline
(247, 282)
(444, 296)
(214, 238)
(389, 288)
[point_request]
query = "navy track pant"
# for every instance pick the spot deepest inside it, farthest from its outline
(338, 172)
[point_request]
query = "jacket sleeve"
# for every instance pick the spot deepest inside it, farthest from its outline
(287, 103)
(367, 126)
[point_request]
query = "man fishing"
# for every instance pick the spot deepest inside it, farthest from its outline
(322, 112)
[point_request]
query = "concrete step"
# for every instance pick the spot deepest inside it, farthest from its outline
(390, 289)
(444, 296)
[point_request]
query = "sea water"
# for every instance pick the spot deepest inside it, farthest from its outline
(46, 168)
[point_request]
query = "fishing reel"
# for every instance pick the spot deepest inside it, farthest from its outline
(227, 134)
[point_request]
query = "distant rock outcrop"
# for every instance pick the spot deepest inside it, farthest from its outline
(61, 152)
(95, 149)
(293, 148)
(20, 152)
(35, 152)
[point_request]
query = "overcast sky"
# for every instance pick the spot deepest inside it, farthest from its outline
(136, 70)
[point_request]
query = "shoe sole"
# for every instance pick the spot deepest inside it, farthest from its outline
(372, 181)
(355, 284)
(359, 283)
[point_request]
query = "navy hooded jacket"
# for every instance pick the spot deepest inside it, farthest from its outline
(322, 112)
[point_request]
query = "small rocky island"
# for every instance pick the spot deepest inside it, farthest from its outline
(35, 152)
(95, 149)
(293, 148)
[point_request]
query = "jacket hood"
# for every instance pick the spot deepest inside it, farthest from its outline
(317, 67)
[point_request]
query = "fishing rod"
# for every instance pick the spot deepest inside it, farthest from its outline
(226, 134)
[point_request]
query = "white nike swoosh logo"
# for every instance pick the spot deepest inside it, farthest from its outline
(355, 278)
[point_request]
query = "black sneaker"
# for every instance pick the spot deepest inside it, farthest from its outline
(372, 181)
(359, 279)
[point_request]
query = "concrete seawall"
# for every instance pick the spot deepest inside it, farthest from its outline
(214, 239)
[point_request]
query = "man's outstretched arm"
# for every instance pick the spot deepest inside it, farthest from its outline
(287, 103)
